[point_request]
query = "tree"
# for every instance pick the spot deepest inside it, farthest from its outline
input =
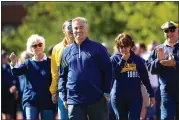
(106, 19)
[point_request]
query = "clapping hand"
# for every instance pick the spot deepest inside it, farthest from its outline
(169, 63)
(161, 54)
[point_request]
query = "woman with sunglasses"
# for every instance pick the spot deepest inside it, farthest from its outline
(128, 73)
(36, 96)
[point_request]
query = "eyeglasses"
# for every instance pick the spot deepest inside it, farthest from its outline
(124, 47)
(171, 30)
(69, 27)
(35, 45)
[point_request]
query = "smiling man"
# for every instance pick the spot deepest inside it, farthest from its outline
(164, 61)
(85, 75)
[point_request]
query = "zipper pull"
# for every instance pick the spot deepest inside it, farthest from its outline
(79, 51)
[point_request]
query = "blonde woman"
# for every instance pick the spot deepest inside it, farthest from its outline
(36, 96)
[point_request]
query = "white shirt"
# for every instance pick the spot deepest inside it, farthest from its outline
(44, 58)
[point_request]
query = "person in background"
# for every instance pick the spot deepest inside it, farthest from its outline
(164, 62)
(128, 73)
(107, 47)
(36, 95)
(111, 112)
(85, 75)
(151, 46)
(140, 50)
(22, 81)
(154, 112)
(9, 91)
(56, 58)
(50, 49)
(148, 111)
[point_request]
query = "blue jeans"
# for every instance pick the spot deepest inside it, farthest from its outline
(32, 113)
(95, 111)
(62, 111)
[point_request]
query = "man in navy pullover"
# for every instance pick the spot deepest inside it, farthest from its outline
(85, 75)
(164, 61)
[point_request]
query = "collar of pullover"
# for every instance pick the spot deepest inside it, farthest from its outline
(86, 40)
(166, 43)
(44, 58)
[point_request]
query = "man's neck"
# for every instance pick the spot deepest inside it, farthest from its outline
(171, 43)
(79, 41)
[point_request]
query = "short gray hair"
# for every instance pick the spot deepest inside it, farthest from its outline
(81, 19)
(34, 38)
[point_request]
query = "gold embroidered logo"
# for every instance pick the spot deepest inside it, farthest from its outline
(64, 63)
(129, 67)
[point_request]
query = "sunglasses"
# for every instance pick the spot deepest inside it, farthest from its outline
(69, 27)
(121, 47)
(35, 45)
(169, 30)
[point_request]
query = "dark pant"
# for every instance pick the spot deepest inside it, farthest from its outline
(111, 111)
(168, 108)
(95, 111)
(127, 109)
(158, 103)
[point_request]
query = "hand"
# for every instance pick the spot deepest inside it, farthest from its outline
(169, 63)
(126, 57)
(13, 59)
(65, 104)
(107, 96)
(16, 95)
(55, 98)
(152, 101)
(12, 89)
(161, 54)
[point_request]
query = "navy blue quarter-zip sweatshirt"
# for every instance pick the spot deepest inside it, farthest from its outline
(128, 77)
(38, 80)
(168, 76)
(85, 73)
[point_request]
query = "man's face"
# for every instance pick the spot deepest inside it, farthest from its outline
(171, 35)
(80, 31)
(68, 30)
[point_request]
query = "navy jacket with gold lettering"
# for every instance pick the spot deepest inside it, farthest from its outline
(128, 77)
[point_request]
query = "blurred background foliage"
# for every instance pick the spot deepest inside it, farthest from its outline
(106, 20)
